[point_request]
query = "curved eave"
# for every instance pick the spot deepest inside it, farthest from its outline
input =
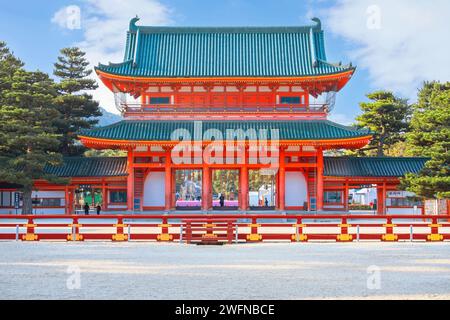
(346, 143)
(345, 73)
(362, 179)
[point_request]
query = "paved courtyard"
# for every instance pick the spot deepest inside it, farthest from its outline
(104, 270)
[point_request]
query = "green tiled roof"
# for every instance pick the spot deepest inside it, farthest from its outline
(224, 52)
(90, 167)
(151, 130)
(333, 166)
(372, 166)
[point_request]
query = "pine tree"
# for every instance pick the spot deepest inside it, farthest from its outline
(77, 108)
(27, 139)
(387, 116)
(430, 137)
(8, 65)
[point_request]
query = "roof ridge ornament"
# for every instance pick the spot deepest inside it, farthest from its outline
(318, 23)
(133, 26)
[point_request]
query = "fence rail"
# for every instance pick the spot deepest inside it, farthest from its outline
(137, 108)
(225, 228)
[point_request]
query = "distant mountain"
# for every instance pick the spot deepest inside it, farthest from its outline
(108, 118)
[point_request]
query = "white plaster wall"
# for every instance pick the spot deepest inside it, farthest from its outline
(37, 211)
(117, 206)
(154, 190)
(48, 194)
(48, 210)
(296, 189)
(405, 211)
(253, 198)
(333, 206)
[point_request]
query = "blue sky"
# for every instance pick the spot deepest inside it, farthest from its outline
(392, 44)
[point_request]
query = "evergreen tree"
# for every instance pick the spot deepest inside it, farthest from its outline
(9, 64)
(27, 139)
(77, 108)
(387, 116)
(429, 136)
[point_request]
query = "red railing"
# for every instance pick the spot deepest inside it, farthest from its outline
(130, 108)
(225, 228)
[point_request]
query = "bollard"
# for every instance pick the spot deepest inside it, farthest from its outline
(299, 236)
(389, 236)
(129, 232)
(188, 232)
(230, 232)
(434, 235)
(164, 235)
(75, 228)
(119, 236)
(17, 232)
(254, 236)
(181, 233)
(209, 230)
(236, 236)
(357, 233)
(344, 236)
(30, 236)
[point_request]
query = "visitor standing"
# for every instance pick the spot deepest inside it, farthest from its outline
(86, 209)
(222, 200)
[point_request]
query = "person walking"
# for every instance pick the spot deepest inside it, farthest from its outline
(86, 209)
(222, 200)
(99, 209)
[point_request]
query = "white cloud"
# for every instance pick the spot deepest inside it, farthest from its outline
(104, 24)
(68, 17)
(405, 44)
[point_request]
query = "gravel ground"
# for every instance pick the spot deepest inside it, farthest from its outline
(49, 270)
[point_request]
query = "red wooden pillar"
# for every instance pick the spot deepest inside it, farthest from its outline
(243, 177)
(168, 181)
(130, 181)
(173, 190)
(277, 191)
(381, 199)
(206, 187)
(282, 180)
(104, 196)
(66, 200)
(346, 196)
(319, 181)
(71, 200)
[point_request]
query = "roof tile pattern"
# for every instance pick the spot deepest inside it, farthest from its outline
(224, 52)
(372, 166)
(150, 130)
(90, 167)
(333, 166)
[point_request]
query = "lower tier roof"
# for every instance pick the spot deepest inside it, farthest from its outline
(372, 166)
(150, 132)
(333, 167)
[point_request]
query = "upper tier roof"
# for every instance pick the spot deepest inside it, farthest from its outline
(202, 52)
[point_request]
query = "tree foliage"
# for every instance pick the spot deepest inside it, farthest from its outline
(387, 116)
(28, 141)
(429, 136)
(77, 108)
